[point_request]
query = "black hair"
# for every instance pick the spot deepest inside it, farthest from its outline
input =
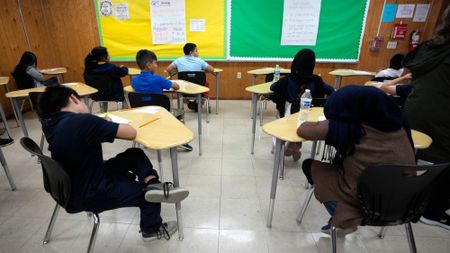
(28, 59)
(396, 61)
(97, 54)
(442, 34)
(144, 56)
(53, 99)
(188, 48)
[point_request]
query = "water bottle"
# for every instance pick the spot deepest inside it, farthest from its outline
(276, 73)
(305, 104)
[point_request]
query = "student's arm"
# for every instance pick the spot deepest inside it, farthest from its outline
(33, 72)
(327, 89)
(167, 84)
(175, 86)
(126, 132)
(313, 131)
(121, 71)
(171, 69)
(209, 69)
(390, 86)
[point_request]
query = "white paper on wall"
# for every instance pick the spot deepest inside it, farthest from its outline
(405, 11)
(197, 25)
(122, 12)
(168, 21)
(421, 12)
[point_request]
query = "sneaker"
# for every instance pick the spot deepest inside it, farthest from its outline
(339, 231)
(326, 229)
(165, 192)
(192, 104)
(186, 147)
(444, 222)
(165, 230)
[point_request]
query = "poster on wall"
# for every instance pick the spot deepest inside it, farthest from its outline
(121, 11)
(405, 11)
(168, 21)
(106, 8)
(421, 12)
(300, 22)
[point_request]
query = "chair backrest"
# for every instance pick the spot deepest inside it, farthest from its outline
(34, 98)
(198, 77)
(145, 99)
(395, 194)
(56, 179)
(23, 80)
(104, 85)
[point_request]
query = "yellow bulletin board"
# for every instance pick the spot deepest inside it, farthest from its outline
(123, 38)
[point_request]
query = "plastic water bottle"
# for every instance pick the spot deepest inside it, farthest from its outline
(276, 73)
(305, 104)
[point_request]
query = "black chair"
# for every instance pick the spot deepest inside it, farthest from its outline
(57, 182)
(197, 77)
(34, 98)
(394, 195)
(105, 86)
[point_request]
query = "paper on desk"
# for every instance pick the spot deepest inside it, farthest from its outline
(181, 83)
(322, 118)
(69, 84)
(116, 119)
(148, 110)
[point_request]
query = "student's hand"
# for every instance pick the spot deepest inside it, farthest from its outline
(175, 86)
(407, 76)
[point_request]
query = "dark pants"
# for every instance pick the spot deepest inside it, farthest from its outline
(440, 196)
(118, 190)
(306, 167)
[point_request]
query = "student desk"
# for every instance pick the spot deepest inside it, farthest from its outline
(265, 71)
(339, 73)
(4, 82)
(257, 90)
(82, 89)
(285, 129)
(55, 71)
(165, 133)
(190, 89)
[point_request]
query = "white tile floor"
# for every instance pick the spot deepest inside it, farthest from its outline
(225, 212)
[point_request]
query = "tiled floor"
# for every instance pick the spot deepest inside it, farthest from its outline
(225, 212)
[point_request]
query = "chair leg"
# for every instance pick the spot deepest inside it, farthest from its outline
(304, 206)
(333, 239)
(261, 111)
(51, 224)
(382, 232)
(161, 174)
(41, 144)
(94, 233)
(8, 174)
(410, 237)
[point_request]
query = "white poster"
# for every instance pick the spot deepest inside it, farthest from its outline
(168, 20)
(105, 7)
(421, 12)
(300, 22)
(121, 11)
(197, 25)
(405, 11)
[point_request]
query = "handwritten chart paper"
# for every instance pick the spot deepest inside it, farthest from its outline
(300, 22)
(168, 20)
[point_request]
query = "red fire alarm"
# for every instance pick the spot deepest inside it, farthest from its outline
(399, 31)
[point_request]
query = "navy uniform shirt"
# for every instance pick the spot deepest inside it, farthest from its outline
(75, 141)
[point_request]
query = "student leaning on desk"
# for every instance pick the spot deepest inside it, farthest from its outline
(75, 140)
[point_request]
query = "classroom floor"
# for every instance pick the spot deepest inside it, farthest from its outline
(225, 212)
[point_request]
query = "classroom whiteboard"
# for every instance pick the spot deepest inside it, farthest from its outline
(237, 30)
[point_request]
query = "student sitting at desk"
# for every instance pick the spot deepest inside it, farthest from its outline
(75, 140)
(190, 62)
(97, 63)
(148, 82)
(289, 89)
(364, 127)
(394, 71)
(399, 88)
(27, 68)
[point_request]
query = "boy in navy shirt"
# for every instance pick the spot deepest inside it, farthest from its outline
(75, 140)
(148, 82)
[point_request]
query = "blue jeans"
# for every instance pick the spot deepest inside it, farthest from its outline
(331, 207)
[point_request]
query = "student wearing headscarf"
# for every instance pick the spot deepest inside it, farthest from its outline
(364, 127)
(289, 89)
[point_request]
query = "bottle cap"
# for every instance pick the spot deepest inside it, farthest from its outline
(307, 90)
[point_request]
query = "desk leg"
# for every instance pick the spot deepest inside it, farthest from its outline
(199, 114)
(161, 175)
(337, 82)
(217, 92)
(60, 78)
(313, 149)
(273, 190)
(19, 116)
(176, 183)
(2, 113)
(254, 105)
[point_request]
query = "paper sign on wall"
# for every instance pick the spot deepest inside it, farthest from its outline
(168, 20)
(421, 12)
(405, 11)
(389, 13)
(197, 25)
(121, 11)
(106, 8)
(300, 22)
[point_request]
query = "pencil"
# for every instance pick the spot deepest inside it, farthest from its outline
(151, 121)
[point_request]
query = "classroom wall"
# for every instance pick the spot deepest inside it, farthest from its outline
(62, 33)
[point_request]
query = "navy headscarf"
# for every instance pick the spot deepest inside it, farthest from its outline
(349, 107)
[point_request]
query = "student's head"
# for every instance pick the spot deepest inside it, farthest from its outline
(58, 98)
(304, 63)
(147, 60)
(396, 61)
(28, 59)
(96, 55)
(190, 49)
(442, 34)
